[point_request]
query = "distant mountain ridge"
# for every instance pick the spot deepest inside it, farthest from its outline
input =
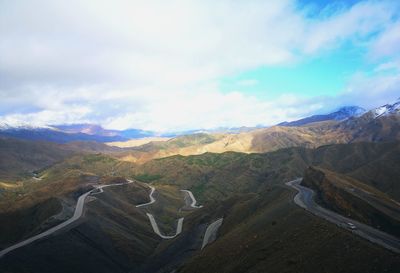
(45, 134)
(40, 182)
(70, 133)
(86, 128)
(387, 109)
(95, 129)
(357, 128)
(341, 114)
(240, 139)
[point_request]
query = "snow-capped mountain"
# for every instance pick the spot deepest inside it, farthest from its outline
(22, 126)
(68, 133)
(380, 124)
(351, 117)
(49, 133)
(340, 114)
(347, 111)
(387, 109)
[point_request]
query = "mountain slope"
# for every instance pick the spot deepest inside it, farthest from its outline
(384, 127)
(212, 176)
(263, 230)
(50, 134)
(70, 133)
(355, 199)
(278, 236)
(341, 114)
(94, 129)
(19, 158)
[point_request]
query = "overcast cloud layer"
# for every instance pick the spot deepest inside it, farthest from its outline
(156, 64)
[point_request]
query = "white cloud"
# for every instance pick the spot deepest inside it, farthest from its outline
(388, 66)
(173, 42)
(248, 82)
(47, 117)
(161, 110)
(155, 64)
(372, 91)
(357, 23)
(388, 42)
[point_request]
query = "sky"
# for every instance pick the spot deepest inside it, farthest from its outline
(180, 65)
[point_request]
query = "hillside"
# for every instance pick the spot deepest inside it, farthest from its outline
(377, 125)
(341, 114)
(353, 198)
(212, 176)
(370, 126)
(136, 142)
(19, 158)
(246, 189)
(228, 136)
(53, 135)
(114, 236)
(281, 237)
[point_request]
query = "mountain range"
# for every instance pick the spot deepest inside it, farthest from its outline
(341, 114)
(356, 128)
(349, 159)
(92, 132)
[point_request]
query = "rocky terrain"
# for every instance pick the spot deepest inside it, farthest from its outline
(355, 199)
(262, 228)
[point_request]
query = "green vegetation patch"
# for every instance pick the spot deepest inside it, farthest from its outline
(194, 139)
(199, 189)
(93, 158)
(212, 160)
(145, 177)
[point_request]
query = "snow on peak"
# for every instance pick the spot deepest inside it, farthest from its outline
(20, 126)
(387, 109)
(350, 111)
(4, 126)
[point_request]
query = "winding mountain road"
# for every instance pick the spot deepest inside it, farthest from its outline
(152, 200)
(304, 199)
(157, 230)
(211, 232)
(79, 211)
(153, 222)
(190, 200)
(77, 214)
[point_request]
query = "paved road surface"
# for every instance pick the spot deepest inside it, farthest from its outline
(157, 230)
(152, 200)
(77, 214)
(304, 198)
(211, 232)
(190, 200)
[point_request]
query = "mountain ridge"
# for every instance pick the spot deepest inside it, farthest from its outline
(95, 132)
(341, 114)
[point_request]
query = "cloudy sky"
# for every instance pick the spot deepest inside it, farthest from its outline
(177, 65)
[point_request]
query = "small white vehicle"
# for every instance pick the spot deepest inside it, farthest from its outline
(351, 226)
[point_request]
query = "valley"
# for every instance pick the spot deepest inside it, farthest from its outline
(178, 207)
(193, 136)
